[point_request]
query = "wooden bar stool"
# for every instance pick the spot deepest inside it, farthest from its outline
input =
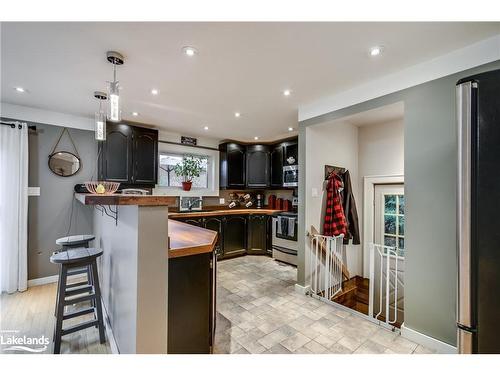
(77, 292)
(71, 242)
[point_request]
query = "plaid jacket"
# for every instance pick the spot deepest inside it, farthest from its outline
(335, 222)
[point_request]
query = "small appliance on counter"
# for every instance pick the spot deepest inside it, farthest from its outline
(284, 237)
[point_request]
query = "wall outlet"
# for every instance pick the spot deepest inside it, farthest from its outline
(314, 192)
(222, 201)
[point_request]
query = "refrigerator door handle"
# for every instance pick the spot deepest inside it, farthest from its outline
(464, 116)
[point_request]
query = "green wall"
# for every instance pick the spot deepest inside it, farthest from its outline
(430, 189)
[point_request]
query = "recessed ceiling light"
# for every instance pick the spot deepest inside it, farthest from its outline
(286, 92)
(154, 91)
(375, 51)
(19, 89)
(237, 114)
(135, 114)
(205, 127)
(256, 138)
(290, 129)
(189, 51)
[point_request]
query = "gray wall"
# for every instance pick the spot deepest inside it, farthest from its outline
(49, 214)
(430, 189)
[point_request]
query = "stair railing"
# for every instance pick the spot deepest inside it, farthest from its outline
(325, 264)
(390, 285)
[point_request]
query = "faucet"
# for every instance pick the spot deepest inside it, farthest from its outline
(191, 204)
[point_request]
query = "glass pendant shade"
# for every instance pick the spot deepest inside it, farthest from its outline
(114, 112)
(100, 126)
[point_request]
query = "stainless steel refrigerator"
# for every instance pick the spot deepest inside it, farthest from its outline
(478, 211)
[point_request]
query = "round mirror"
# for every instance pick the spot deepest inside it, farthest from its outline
(64, 163)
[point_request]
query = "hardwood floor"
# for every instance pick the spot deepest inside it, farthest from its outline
(31, 313)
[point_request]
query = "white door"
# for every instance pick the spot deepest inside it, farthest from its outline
(389, 230)
(389, 220)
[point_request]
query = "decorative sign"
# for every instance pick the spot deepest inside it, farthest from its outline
(188, 141)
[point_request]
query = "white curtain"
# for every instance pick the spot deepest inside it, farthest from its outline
(13, 208)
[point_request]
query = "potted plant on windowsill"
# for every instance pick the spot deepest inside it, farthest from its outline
(189, 168)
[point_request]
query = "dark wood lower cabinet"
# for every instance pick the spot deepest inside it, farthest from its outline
(238, 234)
(235, 235)
(257, 234)
(191, 304)
(216, 223)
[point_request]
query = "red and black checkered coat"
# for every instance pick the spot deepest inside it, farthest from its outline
(335, 223)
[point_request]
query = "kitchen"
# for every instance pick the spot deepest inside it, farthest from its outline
(169, 211)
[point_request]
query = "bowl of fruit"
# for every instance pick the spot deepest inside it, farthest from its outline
(102, 187)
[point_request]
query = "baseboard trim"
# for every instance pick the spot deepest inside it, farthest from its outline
(427, 341)
(109, 332)
(301, 289)
(48, 280)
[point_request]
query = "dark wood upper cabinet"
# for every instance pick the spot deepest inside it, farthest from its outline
(277, 166)
(129, 154)
(116, 154)
(257, 166)
(291, 150)
(145, 156)
(232, 166)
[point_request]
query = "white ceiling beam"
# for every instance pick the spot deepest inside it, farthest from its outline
(476, 54)
(30, 114)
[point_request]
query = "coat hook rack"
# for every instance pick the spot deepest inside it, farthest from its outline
(329, 169)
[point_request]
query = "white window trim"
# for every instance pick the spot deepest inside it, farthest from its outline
(212, 172)
(369, 183)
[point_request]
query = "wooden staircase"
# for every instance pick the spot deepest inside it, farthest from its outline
(354, 294)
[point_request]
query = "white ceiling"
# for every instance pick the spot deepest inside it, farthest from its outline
(381, 115)
(239, 67)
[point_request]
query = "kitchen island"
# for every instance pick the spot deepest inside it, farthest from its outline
(140, 271)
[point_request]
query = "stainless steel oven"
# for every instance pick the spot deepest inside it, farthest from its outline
(291, 176)
(285, 245)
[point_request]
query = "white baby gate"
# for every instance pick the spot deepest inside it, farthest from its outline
(325, 265)
(386, 284)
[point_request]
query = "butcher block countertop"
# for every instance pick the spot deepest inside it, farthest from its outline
(188, 239)
(126, 200)
(224, 212)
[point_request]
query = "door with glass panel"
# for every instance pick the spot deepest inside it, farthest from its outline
(389, 230)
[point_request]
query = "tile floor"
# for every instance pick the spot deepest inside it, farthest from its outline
(259, 311)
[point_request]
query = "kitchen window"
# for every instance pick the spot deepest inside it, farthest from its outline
(168, 178)
(169, 183)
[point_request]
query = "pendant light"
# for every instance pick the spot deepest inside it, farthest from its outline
(114, 111)
(100, 117)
